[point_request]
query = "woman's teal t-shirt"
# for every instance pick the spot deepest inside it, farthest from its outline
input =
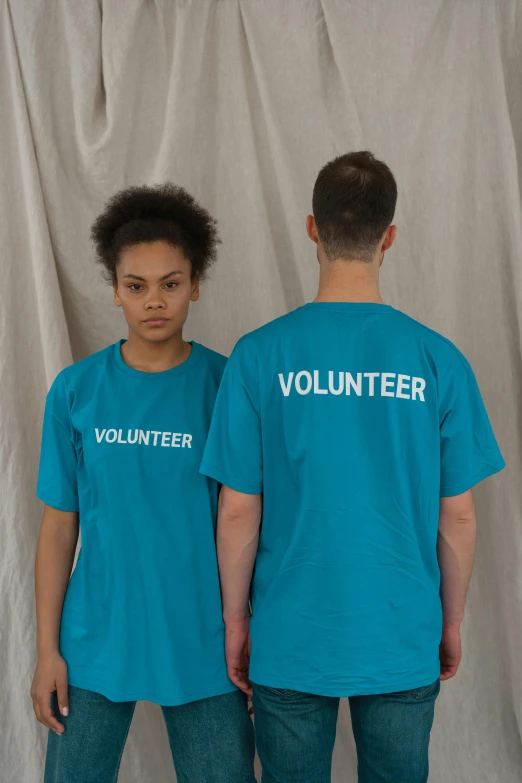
(353, 420)
(142, 613)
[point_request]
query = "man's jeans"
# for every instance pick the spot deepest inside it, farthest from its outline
(295, 735)
(212, 740)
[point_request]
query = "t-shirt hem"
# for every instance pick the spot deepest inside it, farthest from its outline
(227, 481)
(163, 700)
(58, 504)
(344, 691)
(472, 481)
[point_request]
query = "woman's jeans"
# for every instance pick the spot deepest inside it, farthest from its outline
(212, 740)
(295, 735)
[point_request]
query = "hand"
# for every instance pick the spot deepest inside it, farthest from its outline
(50, 675)
(450, 651)
(237, 652)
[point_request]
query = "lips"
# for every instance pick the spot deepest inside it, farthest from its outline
(156, 321)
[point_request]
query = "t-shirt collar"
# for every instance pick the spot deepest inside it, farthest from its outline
(349, 307)
(154, 377)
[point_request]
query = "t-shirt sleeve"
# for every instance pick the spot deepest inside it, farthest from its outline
(468, 450)
(233, 453)
(57, 482)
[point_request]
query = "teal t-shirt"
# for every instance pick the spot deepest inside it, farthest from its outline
(142, 613)
(353, 420)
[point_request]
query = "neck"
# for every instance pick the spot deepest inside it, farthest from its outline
(150, 356)
(348, 281)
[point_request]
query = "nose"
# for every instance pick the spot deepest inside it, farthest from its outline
(155, 301)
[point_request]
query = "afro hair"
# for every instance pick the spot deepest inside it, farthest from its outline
(151, 214)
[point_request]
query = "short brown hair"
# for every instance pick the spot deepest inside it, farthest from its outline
(354, 202)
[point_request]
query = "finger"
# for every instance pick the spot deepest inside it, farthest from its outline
(240, 680)
(448, 672)
(63, 696)
(246, 685)
(47, 716)
(237, 667)
(36, 708)
(234, 676)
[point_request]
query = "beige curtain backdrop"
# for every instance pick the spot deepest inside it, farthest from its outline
(242, 101)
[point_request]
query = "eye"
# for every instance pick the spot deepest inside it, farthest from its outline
(171, 285)
(135, 287)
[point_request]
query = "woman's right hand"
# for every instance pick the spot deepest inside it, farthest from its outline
(50, 675)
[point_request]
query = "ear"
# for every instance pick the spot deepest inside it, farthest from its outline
(389, 238)
(117, 300)
(311, 229)
(194, 292)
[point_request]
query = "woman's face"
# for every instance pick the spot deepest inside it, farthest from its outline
(154, 288)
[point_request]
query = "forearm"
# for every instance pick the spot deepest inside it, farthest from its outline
(456, 553)
(237, 540)
(53, 566)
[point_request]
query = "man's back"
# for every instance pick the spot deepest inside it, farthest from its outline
(347, 438)
(353, 420)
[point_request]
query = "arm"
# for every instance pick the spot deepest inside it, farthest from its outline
(54, 562)
(456, 552)
(239, 517)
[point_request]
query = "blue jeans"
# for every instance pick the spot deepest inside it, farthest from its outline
(212, 740)
(295, 735)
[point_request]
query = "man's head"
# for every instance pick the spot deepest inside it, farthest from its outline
(353, 203)
(155, 244)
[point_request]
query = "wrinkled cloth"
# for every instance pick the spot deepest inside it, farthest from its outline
(242, 102)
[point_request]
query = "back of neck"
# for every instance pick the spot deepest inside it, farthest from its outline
(348, 281)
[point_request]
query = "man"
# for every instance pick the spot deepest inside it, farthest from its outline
(362, 432)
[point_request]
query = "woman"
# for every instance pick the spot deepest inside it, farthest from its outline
(123, 435)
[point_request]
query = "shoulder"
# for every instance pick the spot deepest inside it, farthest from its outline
(80, 375)
(273, 330)
(79, 372)
(438, 347)
(214, 361)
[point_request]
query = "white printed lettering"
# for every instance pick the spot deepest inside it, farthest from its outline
(142, 437)
(387, 384)
(417, 387)
(303, 374)
(331, 387)
(391, 384)
(403, 385)
(371, 381)
(357, 387)
(317, 389)
(286, 387)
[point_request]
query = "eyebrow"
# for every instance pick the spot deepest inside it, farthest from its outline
(169, 274)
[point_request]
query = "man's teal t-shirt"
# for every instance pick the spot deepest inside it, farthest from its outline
(353, 420)
(142, 614)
